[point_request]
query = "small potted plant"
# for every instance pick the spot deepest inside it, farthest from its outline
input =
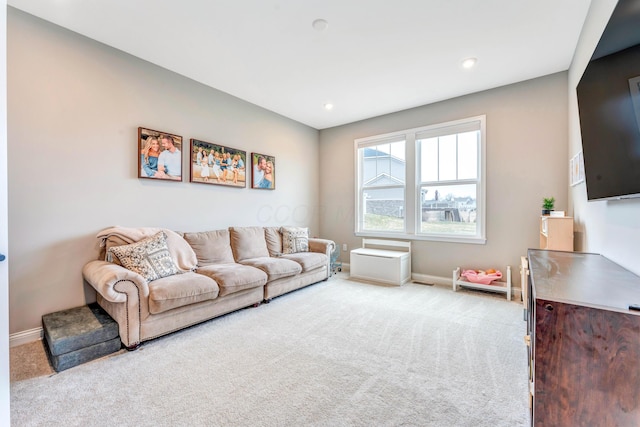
(547, 205)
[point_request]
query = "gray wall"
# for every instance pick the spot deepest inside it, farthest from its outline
(611, 228)
(74, 106)
(526, 160)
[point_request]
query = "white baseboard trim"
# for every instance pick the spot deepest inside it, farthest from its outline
(25, 337)
(516, 292)
(423, 279)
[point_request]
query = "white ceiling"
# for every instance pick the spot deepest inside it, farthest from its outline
(375, 57)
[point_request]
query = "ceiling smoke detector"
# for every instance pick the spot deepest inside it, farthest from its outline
(320, 25)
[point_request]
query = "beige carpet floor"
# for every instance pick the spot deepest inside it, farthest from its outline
(338, 353)
(29, 361)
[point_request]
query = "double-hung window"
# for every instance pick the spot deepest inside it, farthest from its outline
(425, 183)
(382, 177)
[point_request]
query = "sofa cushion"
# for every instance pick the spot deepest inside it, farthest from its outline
(295, 239)
(248, 242)
(180, 290)
(211, 247)
(234, 277)
(148, 257)
(275, 268)
(273, 236)
(308, 260)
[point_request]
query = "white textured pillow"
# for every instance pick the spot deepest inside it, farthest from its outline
(148, 257)
(295, 239)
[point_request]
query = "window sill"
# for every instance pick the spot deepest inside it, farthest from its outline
(422, 237)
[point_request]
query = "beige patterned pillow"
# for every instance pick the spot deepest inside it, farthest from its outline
(295, 239)
(148, 257)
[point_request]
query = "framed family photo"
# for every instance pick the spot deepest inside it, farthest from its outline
(159, 155)
(263, 171)
(217, 164)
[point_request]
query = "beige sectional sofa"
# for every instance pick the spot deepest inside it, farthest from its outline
(202, 275)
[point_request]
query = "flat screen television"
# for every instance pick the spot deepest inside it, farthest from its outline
(609, 107)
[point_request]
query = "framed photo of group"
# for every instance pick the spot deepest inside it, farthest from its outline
(216, 164)
(159, 155)
(263, 171)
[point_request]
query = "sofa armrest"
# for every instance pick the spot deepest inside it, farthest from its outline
(104, 276)
(323, 246)
(125, 296)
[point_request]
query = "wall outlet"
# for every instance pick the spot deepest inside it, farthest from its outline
(344, 247)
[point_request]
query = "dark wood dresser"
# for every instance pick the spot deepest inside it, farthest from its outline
(583, 340)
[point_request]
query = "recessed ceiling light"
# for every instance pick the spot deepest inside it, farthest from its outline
(469, 62)
(320, 24)
(328, 106)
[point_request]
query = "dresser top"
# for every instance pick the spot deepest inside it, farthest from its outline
(583, 279)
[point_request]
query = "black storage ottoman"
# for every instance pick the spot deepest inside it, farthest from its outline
(79, 335)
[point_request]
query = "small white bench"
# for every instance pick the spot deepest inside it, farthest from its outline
(384, 261)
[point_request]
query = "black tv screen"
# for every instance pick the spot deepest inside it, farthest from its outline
(609, 106)
(610, 125)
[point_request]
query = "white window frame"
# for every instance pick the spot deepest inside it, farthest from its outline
(413, 183)
(360, 188)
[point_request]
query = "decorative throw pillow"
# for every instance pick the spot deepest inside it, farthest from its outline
(148, 257)
(295, 239)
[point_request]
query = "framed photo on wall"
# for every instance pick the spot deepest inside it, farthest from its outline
(263, 169)
(576, 168)
(159, 155)
(216, 164)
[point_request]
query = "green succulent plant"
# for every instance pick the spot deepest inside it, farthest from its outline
(547, 203)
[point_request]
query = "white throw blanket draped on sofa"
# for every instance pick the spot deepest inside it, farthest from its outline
(181, 252)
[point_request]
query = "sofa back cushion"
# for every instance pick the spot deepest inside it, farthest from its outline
(211, 247)
(273, 237)
(248, 242)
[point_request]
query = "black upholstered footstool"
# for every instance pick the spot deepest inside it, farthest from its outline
(79, 335)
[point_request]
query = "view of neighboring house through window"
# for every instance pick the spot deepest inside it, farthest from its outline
(446, 163)
(383, 186)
